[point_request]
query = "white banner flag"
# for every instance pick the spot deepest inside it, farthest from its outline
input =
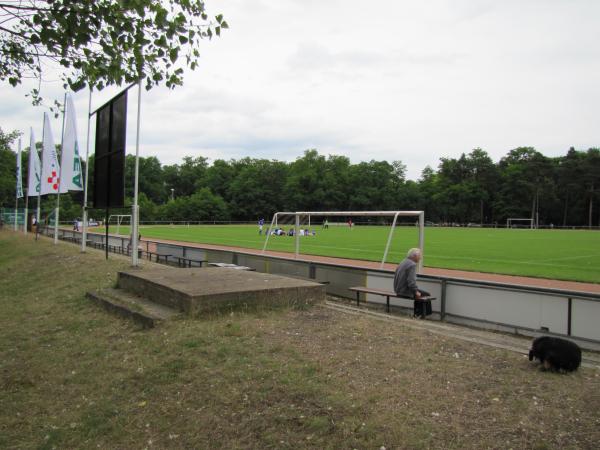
(71, 179)
(50, 167)
(34, 176)
(19, 177)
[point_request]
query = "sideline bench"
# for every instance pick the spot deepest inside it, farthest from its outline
(189, 262)
(158, 256)
(386, 294)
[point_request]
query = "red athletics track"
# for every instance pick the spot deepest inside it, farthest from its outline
(575, 286)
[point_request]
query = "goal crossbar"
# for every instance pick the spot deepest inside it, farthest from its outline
(395, 214)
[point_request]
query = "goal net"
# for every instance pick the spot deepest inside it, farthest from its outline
(306, 223)
(517, 222)
(118, 220)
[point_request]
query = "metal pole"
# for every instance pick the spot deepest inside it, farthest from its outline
(389, 242)
(17, 185)
(106, 232)
(421, 238)
(135, 209)
(62, 154)
(26, 220)
(37, 217)
(87, 165)
(268, 232)
(39, 212)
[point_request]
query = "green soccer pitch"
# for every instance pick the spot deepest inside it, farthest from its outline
(555, 254)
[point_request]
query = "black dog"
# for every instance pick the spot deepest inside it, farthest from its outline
(556, 353)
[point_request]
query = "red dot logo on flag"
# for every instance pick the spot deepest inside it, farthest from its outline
(51, 180)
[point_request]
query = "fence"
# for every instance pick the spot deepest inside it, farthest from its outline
(510, 308)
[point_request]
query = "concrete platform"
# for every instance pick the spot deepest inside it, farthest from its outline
(195, 291)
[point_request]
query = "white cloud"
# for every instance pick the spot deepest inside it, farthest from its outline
(386, 79)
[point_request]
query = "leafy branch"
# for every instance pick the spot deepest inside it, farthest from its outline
(104, 42)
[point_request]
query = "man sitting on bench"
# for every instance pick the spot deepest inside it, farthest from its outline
(405, 283)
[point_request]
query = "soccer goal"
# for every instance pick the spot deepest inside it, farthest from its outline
(119, 219)
(298, 218)
(510, 222)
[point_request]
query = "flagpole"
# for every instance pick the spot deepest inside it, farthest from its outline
(28, 182)
(17, 185)
(87, 165)
(135, 212)
(39, 212)
(62, 152)
(25, 222)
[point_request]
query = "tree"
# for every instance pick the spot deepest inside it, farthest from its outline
(570, 174)
(104, 42)
(427, 188)
(147, 207)
(202, 205)
(526, 176)
(372, 186)
(8, 162)
(591, 178)
(463, 186)
(219, 177)
(258, 188)
(150, 178)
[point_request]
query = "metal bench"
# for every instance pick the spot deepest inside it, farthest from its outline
(387, 294)
(189, 262)
(157, 256)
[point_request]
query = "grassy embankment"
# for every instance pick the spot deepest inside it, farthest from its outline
(72, 376)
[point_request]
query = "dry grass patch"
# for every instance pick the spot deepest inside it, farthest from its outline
(72, 376)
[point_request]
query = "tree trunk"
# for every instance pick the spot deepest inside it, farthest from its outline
(481, 219)
(591, 206)
(566, 209)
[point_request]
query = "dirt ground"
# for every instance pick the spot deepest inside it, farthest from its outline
(422, 390)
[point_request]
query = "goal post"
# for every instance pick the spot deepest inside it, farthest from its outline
(120, 219)
(510, 220)
(420, 215)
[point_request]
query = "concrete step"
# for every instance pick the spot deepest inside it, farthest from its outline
(151, 287)
(146, 313)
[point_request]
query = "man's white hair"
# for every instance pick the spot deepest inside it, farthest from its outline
(413, 252)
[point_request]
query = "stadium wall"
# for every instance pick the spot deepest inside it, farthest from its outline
(524, 310)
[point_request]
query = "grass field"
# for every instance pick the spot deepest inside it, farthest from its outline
(555, 254)
(73, 376)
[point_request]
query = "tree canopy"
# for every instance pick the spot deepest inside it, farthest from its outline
(8, 163)
(470, 189)
(103, 42)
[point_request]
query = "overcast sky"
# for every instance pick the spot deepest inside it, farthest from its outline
(382, 79)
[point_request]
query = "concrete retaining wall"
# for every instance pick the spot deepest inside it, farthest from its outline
(516, 309)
